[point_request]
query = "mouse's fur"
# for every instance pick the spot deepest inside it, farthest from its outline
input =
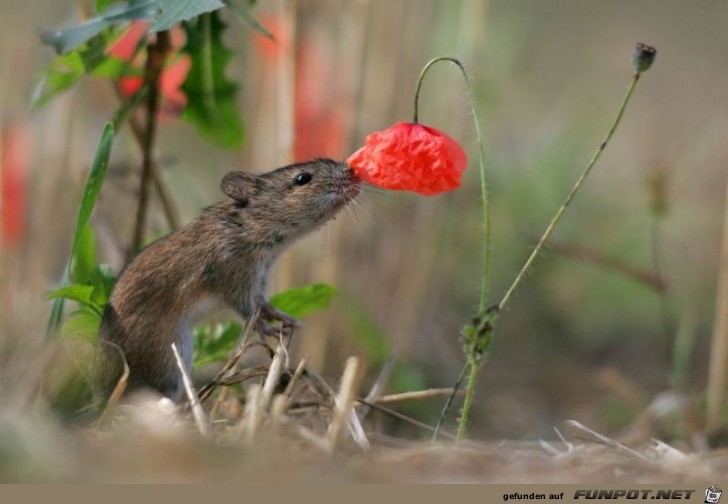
(221, 258)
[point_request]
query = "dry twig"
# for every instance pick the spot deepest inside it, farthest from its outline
(200, 419)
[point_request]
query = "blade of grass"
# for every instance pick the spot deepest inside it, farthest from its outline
(91, 190)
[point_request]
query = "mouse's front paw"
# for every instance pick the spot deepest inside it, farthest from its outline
(264, 329)
(268, 313)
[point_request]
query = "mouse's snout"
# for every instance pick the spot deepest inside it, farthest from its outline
(352, 182)
(349, 173)
(346, 185)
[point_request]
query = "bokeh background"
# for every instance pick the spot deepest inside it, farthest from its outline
(580, 340)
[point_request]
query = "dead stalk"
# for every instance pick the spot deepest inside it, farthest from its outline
(203, 424)
(344, 401)
(416, 395)
(296, 375)
(717, 373)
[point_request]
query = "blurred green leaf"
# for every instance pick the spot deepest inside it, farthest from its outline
(82, 324)
(102, 279)
(215, 342)
(67, 69)
(88, 201)
(64, 40)
(377, 349)
(211, 104)
(114, 68)
(102, 5)
(174, 11)
(300, 301)
(243, 11)
(60, 76)
(84, 260)
(406, 378)
(369, 335)
(93, 183)
(75, 292)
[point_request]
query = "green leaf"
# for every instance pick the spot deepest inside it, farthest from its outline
(102, 279)
(243, 11)
(129, 106)
(114, 68)
(60, 76)
(215, 342)
(64, 40)
(88, 201)
(67, 69)
(300, 301)
(82, 324)
(211, 104)
(174, 11)
(102, 5)
(76, 292)
(84, 260)
(93, 183)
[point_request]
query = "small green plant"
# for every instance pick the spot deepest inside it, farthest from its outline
(85, 281)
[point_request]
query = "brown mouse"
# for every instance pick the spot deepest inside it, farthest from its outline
(222, 258)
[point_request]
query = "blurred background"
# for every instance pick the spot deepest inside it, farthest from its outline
(615, 318)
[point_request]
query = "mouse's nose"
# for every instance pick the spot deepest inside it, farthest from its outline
(349, 172)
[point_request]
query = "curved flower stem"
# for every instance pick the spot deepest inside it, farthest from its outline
(472, 349)
(481, 156)
(560, 212)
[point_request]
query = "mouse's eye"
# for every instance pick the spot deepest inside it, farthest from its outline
(302, 178)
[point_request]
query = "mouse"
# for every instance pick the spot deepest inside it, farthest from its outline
(223, 258)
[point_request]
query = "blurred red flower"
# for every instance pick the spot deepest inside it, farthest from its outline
(410, 157)
(14, 151)
(173, 76)
(319, 115)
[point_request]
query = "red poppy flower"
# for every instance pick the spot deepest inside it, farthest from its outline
(410, 157)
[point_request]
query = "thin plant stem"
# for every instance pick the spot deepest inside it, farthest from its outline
(450, 399)
(156, 54)
(165, 198)
(469, 396)
(481, 158)
(560, 212)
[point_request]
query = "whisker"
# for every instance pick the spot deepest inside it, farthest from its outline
(359, 228)
(359, 207)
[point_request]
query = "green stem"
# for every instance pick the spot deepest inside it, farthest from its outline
(468, 402)
(473, 360)
(481, 156)
(560, 212)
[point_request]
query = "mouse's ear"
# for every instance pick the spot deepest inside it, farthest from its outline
(238, 186)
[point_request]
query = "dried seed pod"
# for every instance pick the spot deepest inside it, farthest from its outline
(642, 57)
